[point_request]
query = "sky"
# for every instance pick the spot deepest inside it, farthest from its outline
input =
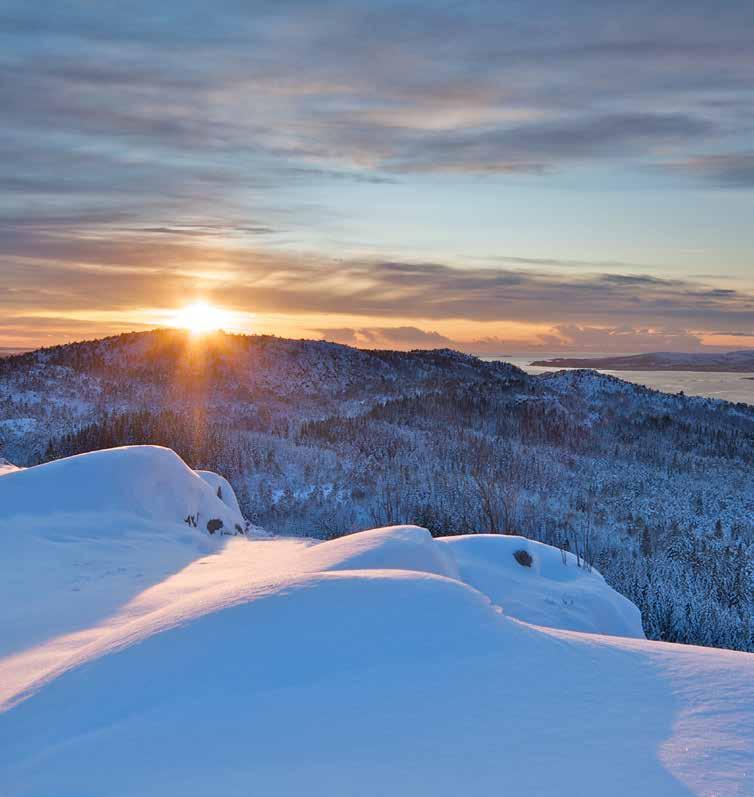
(497, 177)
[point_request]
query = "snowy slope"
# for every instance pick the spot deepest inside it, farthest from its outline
(381, 663)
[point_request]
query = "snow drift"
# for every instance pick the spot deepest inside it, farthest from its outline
(551, 590)
(222, 488)
(385, 662)
(150, 482)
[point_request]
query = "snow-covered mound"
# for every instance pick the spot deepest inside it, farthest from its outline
(151, 482)
(390, 548)
(222, 488)
(382, 663)
(549, 589)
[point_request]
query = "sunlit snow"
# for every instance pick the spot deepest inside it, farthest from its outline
(142, 655)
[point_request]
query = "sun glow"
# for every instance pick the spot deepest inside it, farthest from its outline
(200, 318)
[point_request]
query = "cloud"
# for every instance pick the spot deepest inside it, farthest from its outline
(208, 109)
(56, 270)
(731, 170)
(621, 339)
(561, 338)
(404, 337)
(538, 146)
(54, 273)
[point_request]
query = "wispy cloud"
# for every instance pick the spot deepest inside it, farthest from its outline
(387, 337)
(256, 93)
(561, 338)
(731, 170)
(56, 270)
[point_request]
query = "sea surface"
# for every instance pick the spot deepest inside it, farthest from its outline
(731, 387)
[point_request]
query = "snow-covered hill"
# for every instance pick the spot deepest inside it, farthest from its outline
(142, 655)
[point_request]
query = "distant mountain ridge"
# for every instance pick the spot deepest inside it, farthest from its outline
(263, 362)
(254, 381)
(727, 362)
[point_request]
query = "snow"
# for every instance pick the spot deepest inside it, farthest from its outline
(150, 482)
(172, 662)
(7, 467)
(391, 548)
(554, 591)
(222, 488)
(94, 531)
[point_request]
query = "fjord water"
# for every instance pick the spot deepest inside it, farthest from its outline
(727, 386)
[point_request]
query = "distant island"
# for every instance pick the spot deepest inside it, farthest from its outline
(730, 362)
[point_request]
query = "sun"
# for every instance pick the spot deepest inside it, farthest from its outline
(201, 317)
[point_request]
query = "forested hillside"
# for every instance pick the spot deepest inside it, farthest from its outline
(321, 439)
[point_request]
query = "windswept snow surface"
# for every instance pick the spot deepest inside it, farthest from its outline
(384, 663)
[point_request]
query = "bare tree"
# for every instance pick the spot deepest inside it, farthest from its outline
(498, 494)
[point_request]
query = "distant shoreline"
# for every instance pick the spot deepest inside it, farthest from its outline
(602, 367)
(725, 364)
